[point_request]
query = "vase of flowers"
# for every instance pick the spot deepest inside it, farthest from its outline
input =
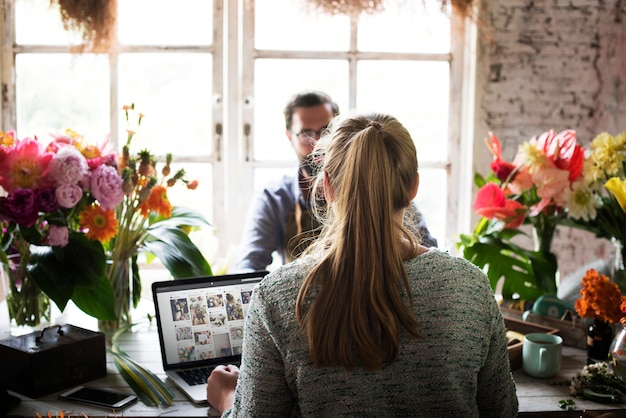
(600, 300)
(28, 306)
(532, 189)
(83, 212)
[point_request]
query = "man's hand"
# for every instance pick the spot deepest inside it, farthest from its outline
(220, 390)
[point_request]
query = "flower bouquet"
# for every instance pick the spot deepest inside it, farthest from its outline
(599, 197)
(534, 189)
(77, 213)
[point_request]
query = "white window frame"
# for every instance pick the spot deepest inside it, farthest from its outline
(231, 159)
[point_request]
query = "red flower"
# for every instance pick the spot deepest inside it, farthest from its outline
(491, 202)
(501, 168)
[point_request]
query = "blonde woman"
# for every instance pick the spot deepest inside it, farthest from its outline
(370, 322)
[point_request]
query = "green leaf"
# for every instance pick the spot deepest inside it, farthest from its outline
(97, 301)
(173, 247)
(136, 281)
(525, 273)
(148, 387)
(77, 272)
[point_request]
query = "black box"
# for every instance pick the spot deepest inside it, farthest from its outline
(51, 360)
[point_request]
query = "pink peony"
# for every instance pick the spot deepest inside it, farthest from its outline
(68, 195)
(68, 166)
(58, 235)
(24, 166)
(106, 186)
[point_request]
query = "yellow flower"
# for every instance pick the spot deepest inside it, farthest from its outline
(7, 138)
(100, 224)
(535, 157)
(617, 187)
(606, 152)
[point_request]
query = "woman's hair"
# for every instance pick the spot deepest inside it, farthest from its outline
(350, 304)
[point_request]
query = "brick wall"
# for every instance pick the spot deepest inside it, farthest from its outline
(551, 64)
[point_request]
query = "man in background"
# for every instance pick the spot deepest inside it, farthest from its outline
(279, 218)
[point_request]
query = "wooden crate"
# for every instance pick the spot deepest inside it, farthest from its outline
(515, 350)
(571, 328)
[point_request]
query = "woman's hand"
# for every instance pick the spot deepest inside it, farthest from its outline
(220, 390)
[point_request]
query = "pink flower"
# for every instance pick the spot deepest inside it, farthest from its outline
(68, 195)
(106, 186)
(58, 235)
(551, 183)
(68, 166)
(24, 166)
(59, 141)
(563, 151)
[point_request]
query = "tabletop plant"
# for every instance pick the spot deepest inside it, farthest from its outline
(533, 189)
(76, 213)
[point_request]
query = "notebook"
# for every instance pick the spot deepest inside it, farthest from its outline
(200, 324)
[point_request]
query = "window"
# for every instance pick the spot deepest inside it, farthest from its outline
(216, 101)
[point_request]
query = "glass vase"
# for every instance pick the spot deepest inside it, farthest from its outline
(599, 338)
(119, 276)
(546, 273)
(617, 270)
(617, 353)
(28, 307)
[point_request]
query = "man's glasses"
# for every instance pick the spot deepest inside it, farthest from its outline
(311, 135)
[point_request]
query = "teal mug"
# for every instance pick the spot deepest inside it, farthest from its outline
(541, 354)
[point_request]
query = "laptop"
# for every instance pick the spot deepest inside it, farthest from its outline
(200, 323)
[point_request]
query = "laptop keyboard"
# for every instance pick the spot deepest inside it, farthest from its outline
(196, 376)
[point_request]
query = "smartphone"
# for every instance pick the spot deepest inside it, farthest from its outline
(99, 397)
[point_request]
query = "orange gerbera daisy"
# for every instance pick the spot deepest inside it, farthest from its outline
(100, 224)
(157, 202)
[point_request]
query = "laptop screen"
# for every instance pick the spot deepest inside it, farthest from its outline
(200, 320)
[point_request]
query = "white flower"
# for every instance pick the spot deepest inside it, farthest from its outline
(580, 201)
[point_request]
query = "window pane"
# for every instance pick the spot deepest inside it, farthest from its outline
(416, 93)
(159, 22)
(407, 26)
(39, 22)
(72, 92)
(174, 92)
(275, 82)
(431, 199)
(200, 199)
(287, 24)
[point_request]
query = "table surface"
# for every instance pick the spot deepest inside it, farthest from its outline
(537, 397)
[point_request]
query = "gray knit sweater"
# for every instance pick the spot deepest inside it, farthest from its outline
(459, 369)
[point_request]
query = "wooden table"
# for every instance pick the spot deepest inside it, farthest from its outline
(537, 397)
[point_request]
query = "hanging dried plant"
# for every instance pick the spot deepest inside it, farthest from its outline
(347, 7)
(93, 19)
(356, 7)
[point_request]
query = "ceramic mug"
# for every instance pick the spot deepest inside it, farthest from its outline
(541, 354)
